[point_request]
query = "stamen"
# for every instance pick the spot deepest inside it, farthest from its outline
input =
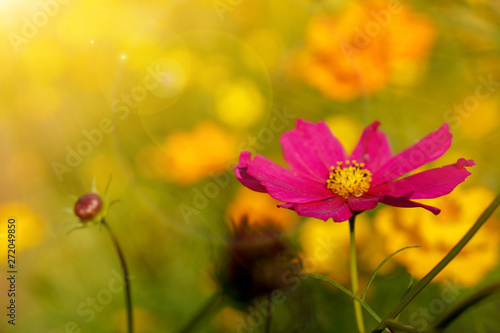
(352, 179)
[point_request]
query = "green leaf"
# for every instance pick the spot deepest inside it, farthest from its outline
(380, 266)
(439, 267)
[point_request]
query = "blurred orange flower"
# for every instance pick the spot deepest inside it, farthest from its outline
(260, 209)
(188, 156)
(364, 48)
(438, 234)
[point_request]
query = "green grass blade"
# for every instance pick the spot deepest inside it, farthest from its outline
(331, 282)
(347, 292)
(380, 266)
(396, 327)
(410, 285)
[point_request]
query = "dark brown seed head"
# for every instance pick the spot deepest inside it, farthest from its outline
(256, 259)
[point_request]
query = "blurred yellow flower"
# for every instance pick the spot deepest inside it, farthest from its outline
(239, 104)
(346, 129)
(260, 209)
(364, 48)
(186, 157)
(438, 234)
(326, 249)
(29, 227)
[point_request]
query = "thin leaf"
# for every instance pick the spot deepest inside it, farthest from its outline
(331, 282)
(380, 266)
(64, 225)
(347, 292)
(93, 187)
(108, 184)
(396, 327)
(439, 267)
(67, 209)
(410, 285)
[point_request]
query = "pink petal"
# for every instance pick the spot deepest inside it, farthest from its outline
(427, 184)
(373, 148)
(335, 208)
(462, 163)
(281, 183)
(426, 150)
(405, 203)
(311, 149)
(241, 173)
(363, 203)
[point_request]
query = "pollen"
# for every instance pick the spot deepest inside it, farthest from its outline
(350, 179)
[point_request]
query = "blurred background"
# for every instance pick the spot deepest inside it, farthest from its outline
(163, 95)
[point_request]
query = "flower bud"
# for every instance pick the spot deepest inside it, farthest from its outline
(88, 206)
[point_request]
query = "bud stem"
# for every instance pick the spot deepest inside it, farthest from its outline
(126, 277)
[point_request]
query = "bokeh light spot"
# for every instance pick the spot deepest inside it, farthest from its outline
(168, 77)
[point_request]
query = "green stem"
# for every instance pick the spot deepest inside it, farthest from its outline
(210, 308)
(126, 277)
(439, 267)
(354, 276)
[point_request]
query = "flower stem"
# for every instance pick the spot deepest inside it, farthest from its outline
(210, 308)
(126, 277)
(354, 276)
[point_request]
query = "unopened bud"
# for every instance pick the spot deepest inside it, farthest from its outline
(88, 206)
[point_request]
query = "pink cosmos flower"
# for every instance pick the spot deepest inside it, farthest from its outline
(324, 182)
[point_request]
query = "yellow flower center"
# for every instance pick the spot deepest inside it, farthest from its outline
(352, 179)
